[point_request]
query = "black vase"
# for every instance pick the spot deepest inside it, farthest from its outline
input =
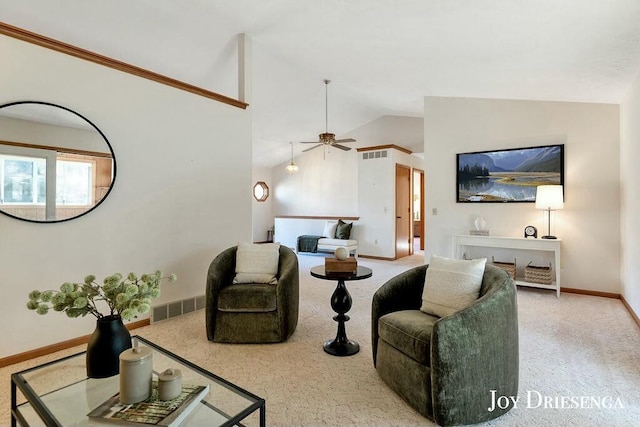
(105, 345)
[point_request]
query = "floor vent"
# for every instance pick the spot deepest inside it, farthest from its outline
(177, 308)
(374, 154)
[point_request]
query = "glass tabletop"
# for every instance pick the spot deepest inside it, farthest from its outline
(59, 393)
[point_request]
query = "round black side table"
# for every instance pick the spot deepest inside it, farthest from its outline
(341, 304)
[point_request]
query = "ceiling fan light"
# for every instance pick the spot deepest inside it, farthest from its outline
(327, 138)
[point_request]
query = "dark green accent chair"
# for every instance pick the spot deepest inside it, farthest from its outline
(447, 367)
(252, 313)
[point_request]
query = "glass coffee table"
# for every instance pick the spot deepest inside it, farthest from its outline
(59, 393)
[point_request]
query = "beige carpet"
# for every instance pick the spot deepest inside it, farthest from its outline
(570, 347)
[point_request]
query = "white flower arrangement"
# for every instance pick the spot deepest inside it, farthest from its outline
(126, 297)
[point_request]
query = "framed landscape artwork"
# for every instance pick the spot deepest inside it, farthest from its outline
(511, 175)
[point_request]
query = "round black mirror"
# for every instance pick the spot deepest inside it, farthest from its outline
(55, 164)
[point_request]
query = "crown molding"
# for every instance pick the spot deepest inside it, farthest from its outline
(58, 46)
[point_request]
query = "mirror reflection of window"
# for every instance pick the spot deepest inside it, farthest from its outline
(22, 180)
(74, 183)
(55, 164)
(23, 185)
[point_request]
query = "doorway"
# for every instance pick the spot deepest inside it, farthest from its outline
(404, 220)
(418, 209)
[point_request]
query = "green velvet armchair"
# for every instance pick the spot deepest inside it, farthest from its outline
(251, 312)
(448, 368)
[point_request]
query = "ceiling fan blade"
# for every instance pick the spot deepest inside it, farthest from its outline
(309, 149)
(308, 142)
(346, 140)
(342, 147)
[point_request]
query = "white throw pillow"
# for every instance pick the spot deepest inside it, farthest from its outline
(257, 263)
(451, 285)
(330, 229)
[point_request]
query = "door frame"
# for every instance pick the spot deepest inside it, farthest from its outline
(422, 205)
(410, 213)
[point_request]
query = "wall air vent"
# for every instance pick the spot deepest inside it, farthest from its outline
(177, 308)
(374, 154)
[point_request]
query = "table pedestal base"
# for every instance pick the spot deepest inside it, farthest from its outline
(341, 303)
(336, 348)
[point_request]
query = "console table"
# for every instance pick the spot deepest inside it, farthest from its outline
(548, 245)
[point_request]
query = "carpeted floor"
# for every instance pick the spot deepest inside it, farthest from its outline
(571, 347)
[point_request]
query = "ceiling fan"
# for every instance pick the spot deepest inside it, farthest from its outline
(326, 138)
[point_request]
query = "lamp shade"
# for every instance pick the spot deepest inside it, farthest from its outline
(549, 197)
(292, 167)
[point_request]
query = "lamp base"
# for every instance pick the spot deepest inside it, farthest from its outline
(548, 237)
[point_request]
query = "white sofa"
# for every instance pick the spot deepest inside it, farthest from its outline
(327, 244)
(287, 230)
(330, 243)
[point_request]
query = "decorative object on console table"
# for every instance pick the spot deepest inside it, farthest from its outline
(549, 198)
(509, 267)
(480, 225)
(538, 274)
(530, 231)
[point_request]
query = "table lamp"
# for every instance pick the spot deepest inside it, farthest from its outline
(549, 198)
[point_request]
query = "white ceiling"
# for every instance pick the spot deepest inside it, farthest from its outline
(383, 56)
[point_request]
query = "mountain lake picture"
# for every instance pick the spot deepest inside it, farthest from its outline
(509, 175)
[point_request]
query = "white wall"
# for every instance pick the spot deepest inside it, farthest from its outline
(182, 192)
(630, 195)
(326, 185)
(376, 202)
(589, 225)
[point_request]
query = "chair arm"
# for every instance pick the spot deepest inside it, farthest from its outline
(473, 352)
(221, 272)
(288, 291)
(403, 292)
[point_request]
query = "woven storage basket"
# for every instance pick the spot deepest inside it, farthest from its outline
(509, 267)
(538, 274)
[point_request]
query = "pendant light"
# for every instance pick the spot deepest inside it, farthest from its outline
(292, 167)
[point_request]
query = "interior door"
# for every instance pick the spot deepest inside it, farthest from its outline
(404, 221)
(418, 206)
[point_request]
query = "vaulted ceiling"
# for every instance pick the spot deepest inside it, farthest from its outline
(383, 56)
